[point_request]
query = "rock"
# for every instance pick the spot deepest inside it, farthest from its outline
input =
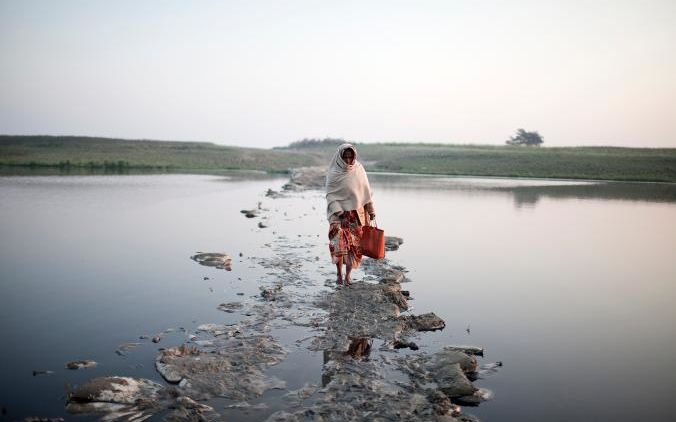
(80, 364)
(470, 350)
(123, 348)
(449, 372)
(230, 307)
(475, 399)
(121, 390)
(213, 259)
(37, 372)
(261, 225)
(448, 356)
(169, 372)
(405, 344)
(219, 329)
(424, 322)
(271, 293)
(392, 243)
(187, 409)
(157, 339)
(234, 370)
(37, 419)
(273, 194)
(393, 292)
(135, 399)
(250, 213)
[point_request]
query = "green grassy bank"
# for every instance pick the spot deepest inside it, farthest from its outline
(603, 163)
(109, 154)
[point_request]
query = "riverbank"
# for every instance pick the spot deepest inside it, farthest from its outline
(73, 155)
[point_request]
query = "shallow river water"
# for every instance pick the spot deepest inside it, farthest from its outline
(569, 284)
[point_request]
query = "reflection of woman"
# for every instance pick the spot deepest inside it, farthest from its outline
(349, 207)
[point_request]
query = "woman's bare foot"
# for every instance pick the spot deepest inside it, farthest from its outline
(348, 280)
(339, 280)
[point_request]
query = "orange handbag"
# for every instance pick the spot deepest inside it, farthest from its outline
(373, 242)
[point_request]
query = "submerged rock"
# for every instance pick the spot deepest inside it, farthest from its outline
(213, 259)
(80, 364)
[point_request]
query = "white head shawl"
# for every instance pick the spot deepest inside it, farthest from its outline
(347, 187)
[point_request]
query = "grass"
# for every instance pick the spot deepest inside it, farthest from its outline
(70, 152)
(117, 155)
(600, 163)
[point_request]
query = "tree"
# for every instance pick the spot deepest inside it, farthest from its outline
(523, 137)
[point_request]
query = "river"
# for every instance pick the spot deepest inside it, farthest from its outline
(569, 284)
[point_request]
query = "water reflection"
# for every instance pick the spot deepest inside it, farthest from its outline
(526, 193)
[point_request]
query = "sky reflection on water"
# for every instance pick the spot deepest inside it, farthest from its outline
(570, 284)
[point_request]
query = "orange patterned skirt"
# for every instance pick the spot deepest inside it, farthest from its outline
(345, 238)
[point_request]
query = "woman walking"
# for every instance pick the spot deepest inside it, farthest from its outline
(349, 207)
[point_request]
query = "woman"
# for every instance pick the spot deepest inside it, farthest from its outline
(349, 207)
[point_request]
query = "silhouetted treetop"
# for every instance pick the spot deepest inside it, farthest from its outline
(524, 137)
(317, 143)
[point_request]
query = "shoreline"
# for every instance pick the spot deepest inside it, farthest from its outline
(55, 170)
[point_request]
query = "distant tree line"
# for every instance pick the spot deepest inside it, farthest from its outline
(317, 143)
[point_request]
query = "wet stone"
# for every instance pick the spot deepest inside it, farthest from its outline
(424, 322)
(118, 396)
(234, 369)
(392, 243)
(80, 364)
(230, 307)
(213, 259)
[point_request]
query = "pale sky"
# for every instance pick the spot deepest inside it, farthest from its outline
(266, 73)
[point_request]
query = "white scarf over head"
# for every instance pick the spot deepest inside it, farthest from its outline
(347, 187)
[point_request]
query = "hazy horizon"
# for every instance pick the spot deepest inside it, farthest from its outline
(265, 74)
